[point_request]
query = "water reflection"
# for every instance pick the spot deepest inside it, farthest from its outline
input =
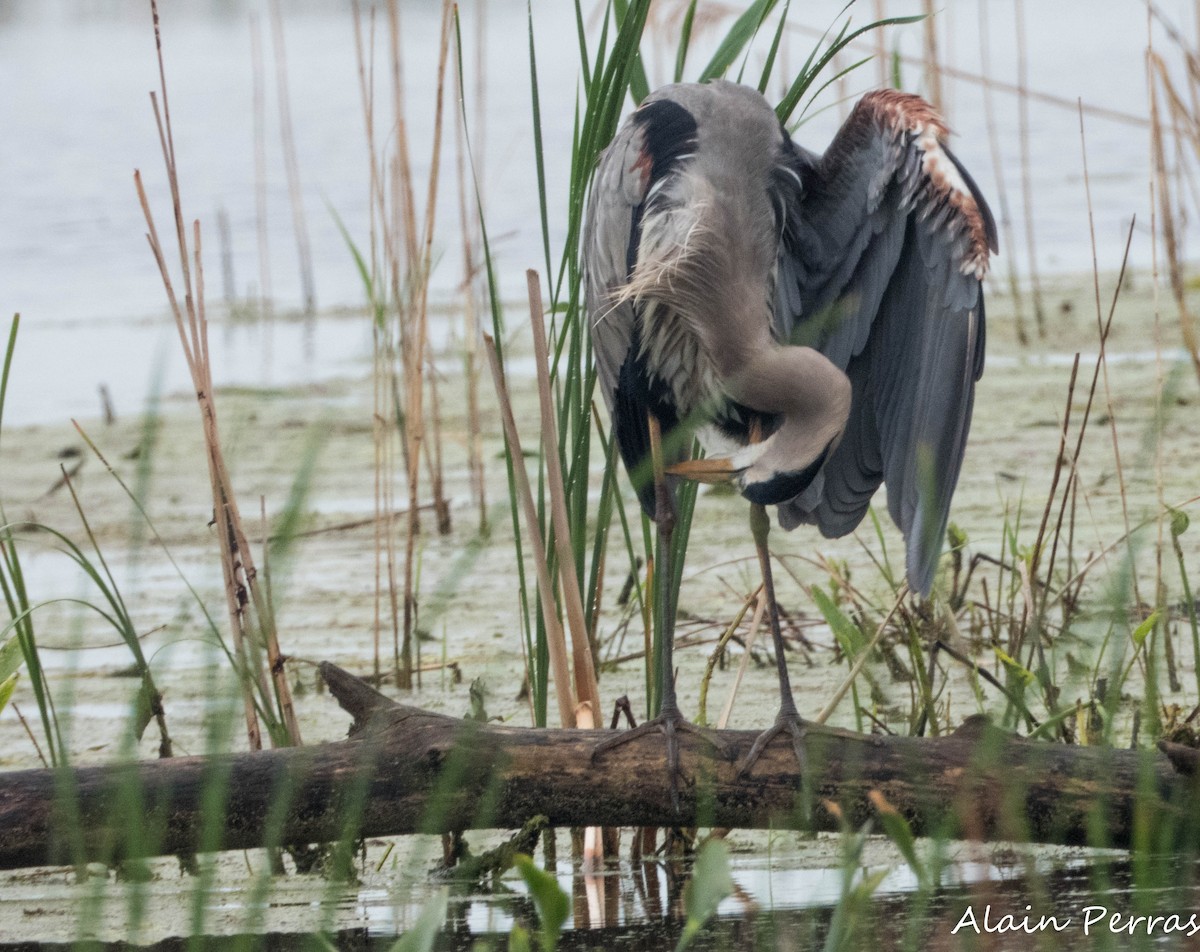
(1067, 906)
(1076, 903)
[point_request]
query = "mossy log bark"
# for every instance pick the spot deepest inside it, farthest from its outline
(404, 770)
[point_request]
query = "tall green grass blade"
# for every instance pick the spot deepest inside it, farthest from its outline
(538, 152)
(814, 67)
(604, 512)
(610, 453)
(900, 833)
(117, 615)
(739, 36)
(538, 673)
(378, 305)
(9, 349)
(12, 583)
(685, 41)
(840, 74)
(769, 65)
(858, 886)
(639, 88)
(1179, 525)
(210, 623)
(850, 637)
(585, 70)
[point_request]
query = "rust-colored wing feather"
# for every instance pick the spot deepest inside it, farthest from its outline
(885, 243)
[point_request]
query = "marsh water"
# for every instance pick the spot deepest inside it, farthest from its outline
(73, 261)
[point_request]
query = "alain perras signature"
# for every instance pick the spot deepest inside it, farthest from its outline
(1090, 919)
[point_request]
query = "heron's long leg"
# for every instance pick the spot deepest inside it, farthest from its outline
(664, 576)
(788, 719)
(670, 721)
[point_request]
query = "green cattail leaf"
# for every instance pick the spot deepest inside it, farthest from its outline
(711, 882)
(423, 934)
(6, 689)
(1143, 630)
(1014, 666)
(849, 635)
(518, 939)
(553, 905)
(10, 658)
(897, 829)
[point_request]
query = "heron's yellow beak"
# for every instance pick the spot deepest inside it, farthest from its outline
(713, 470)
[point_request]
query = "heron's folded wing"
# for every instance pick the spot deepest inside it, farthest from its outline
(609, 246)
(885, 243)
(610, 252)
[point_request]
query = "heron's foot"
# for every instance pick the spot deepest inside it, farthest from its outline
(670, 724)
(786, 722)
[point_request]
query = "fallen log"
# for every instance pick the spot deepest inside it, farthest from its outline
(404, 770)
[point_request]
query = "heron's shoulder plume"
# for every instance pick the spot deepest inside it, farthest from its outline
(668, 135)
(942, 188)
(670, 218)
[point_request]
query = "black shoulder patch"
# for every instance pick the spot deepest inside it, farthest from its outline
(668, 133)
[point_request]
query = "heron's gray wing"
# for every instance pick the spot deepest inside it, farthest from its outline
(617, 190)
(630, 177)
(885, 243)
(610, 251)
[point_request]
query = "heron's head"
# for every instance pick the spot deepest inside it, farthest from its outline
(763, 478)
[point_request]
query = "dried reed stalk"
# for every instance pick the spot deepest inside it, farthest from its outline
(260, 169)
(291, 163)
(248, 612)
(1035, 284)
(1157, 185)
(593, 836)
(989, 116)
(415, 345)
(228, 281)
(883, 71)
(1102, 358)
(383, 355)
(479, 135)
(967, 76)
(556, 641)
(586, 687)
(433, 459)
(469, 225)
(760, 606)
(403, 362)
(933, 68)
(861, 660)
(1164, 206)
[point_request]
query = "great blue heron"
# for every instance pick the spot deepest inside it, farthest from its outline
(817, 320)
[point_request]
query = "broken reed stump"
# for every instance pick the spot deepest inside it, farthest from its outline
(404, 770)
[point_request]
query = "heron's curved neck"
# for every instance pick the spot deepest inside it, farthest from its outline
(809, 395)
